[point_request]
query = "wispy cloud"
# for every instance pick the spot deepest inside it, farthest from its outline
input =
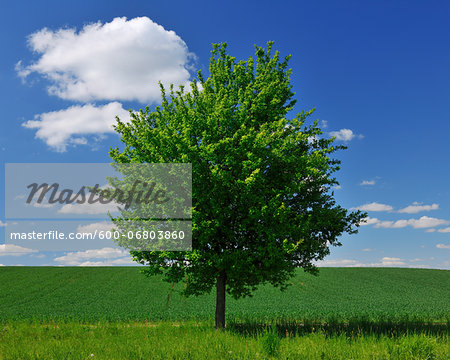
(421, 223)
(384, 262)
(367, 183)
(418, 207)
(374, 206)
(103, 257)
(14, 250)
(345, 135)
(445, 230)
(443, 246)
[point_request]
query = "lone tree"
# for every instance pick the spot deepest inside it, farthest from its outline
(261, 183)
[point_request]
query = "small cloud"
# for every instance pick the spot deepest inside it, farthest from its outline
(369, 221)
(43, 205)
(374, 206)
(421, 223)
(417, 207)
(367, 183)
(430, 230)
(337, 187)
(345, 135)
(91, 228)
(368, 250)
(443, 246)
(59, 129)
(324, 124)
(83, 258)
(391, 261)
(384, 262)
(14, 250)
(445, 230)
(2, 224)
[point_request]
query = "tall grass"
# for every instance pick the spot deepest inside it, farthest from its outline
(141, 340)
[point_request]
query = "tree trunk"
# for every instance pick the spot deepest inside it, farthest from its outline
(220, 300)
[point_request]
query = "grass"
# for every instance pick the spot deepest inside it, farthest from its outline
(139, 340)
(122, 293)
(117, 313)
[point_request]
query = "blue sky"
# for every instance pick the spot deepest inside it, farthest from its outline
(377, 73)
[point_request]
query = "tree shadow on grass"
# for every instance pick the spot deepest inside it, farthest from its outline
(351, 328)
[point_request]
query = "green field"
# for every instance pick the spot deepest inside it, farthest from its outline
(118, 313)
(123, 293)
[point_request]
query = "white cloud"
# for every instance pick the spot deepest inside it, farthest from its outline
(430, 230)
(384, 262)
(374, 206)
(91, 228)
(367, 182)
(443, 246)
(421, 223)
(392, 261)
(445, 230)
(345, 135)
(369, 221)
(119, 60)
(367, 249)
(341, 262)
(14, 250)
(417, 207)
(82, 258)
(115, 262)
(86, 208)
(64, 127)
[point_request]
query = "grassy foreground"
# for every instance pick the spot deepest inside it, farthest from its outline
(117, 313)
(134, 340)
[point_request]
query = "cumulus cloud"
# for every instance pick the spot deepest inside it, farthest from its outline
(367, 182)
(374, 206)
(445, 230)
(14, 250)
(120, 60)
(417, 207)
(64, 127)
(345, 135)
(107, 256)
(443, 246)
(421, 223)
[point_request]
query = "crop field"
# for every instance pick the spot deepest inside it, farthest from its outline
(123, 293)
(118, 313)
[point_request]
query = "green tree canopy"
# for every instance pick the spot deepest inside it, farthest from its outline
(261, 182)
